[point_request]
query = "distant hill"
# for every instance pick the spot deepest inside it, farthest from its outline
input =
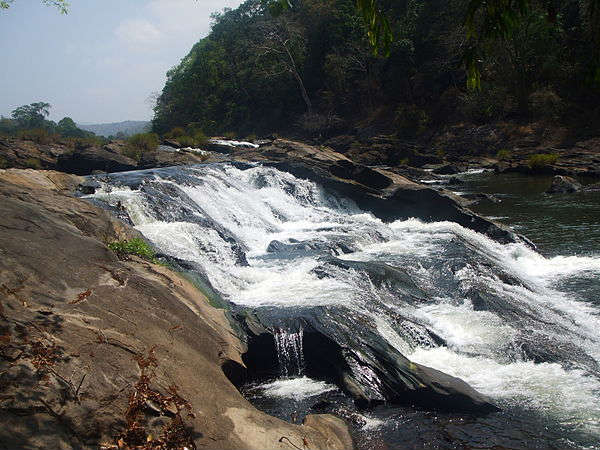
(128, 127)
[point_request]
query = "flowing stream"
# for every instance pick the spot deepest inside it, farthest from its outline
(519, 327)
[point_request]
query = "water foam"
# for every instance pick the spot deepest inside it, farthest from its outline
(571, 396)
(298, 388)
(445, 260)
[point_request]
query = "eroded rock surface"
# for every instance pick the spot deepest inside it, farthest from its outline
(79, 329)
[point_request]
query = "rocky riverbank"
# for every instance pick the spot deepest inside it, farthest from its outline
(102, 352)
(85, 335)
(85, 159)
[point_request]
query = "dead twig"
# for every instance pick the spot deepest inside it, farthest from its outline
(285, 438)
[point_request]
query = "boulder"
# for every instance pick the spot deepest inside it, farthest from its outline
(448, 169)
(219, 148)
(564, 185)
(363, 364)
(172, 143)
(82, 331)
(477, 197)
(592, 188)
(87, 160)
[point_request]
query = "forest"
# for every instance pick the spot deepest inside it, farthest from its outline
(310, 69)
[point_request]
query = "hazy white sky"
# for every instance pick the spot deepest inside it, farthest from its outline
(102, 61)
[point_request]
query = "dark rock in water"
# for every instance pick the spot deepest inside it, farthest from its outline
(85, 161)
(379, 274)
(301, 248)
(419, 159)
(360, 362)
(361, 174)
(88, 187)
(592, 188)
(477, 197)
(564, 185)
(501, 167)
(218, 148)
(455, 181)
(448, 169)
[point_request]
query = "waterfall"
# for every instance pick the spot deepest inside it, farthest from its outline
(500, 316)
(289, 352)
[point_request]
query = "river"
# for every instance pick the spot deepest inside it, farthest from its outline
(518, 325)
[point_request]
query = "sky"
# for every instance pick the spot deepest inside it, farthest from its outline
(103, 61)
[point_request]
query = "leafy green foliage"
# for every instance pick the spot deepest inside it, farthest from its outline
(175, 133)
(378, 27)
(138, 144)
(62, 5)
(84, 142)
(33, 163)
(411, 120)
(29, 122)
(291, 68)
(542, 160)
(135, 246)
(31, 115)
(503, 154)
(37, 135)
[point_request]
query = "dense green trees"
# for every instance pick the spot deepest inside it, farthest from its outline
(29, 122)
(312, 66)
(31, 116)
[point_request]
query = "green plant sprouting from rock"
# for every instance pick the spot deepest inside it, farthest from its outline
(135, 246)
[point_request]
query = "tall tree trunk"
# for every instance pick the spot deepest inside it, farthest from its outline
(294, 70)
(305, 96)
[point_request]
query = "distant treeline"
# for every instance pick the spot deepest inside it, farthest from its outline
(311, 67)
(29, 122)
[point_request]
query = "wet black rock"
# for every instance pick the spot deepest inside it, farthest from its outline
(358, 360)
(302, 248)
(477, 197)
(564, 185)
(361, 174)
(592, 188)
(448, 169)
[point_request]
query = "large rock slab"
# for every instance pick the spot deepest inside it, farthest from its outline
(23, 154)
(88, 160)
(80, 329)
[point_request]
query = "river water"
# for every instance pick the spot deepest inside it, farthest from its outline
(518, 325)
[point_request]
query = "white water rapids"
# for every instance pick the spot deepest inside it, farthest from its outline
(492, 347)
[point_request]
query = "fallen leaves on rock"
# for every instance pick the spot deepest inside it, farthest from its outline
(144, 400)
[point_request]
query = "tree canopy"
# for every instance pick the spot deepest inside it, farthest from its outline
(32, 115)
(311, 64)
(62, 5)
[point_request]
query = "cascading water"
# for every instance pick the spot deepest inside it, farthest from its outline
(500, 316)
(290, 354)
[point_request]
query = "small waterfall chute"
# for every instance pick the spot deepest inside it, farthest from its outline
(290, 353)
